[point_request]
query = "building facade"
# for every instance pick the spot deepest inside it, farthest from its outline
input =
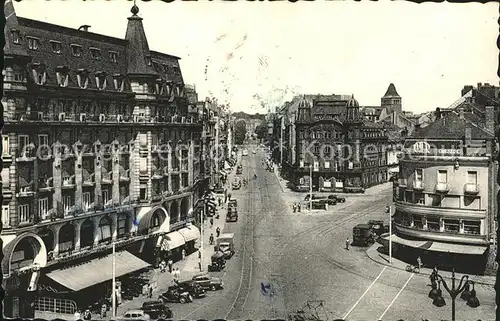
(445, 198)
(341, 148)
(99, 147)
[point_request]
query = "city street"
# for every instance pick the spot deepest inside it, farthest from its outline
(302, 257)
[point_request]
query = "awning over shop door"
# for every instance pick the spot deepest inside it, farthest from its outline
(457, 248)
(190, 233)
(170, 241)
(96, 271)
(418, 244)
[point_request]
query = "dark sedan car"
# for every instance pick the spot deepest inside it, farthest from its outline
(208, 282)
(337, 198)
(192, 288)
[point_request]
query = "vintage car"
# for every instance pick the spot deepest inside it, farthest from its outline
(175, 295)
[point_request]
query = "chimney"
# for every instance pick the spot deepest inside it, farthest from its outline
(490, 118)
(461, 113)
(84, 28)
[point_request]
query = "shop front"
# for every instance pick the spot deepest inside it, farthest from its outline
(169, 246)
(191, 235)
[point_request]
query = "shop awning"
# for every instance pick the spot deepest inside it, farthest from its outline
(421, 244)
(170, 241)
(96, 271)
(190, 233)
(457, 248)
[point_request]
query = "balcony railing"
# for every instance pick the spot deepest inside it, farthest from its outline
(26, 191)
(471, 189)
(442, 187)
(89, 180)
(157, 173)
(69, 181)
(418, 185)
(107, 177)
(46, 184)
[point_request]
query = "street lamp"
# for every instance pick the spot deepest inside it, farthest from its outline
(310, 187)
(463, 288)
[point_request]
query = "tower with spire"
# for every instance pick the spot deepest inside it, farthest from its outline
(392, 101)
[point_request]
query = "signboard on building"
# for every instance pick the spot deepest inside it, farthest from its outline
(437, 147)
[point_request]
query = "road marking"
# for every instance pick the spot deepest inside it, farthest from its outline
(368, 289)
(397, 295)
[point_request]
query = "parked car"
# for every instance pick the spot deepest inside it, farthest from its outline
(193, 288)
(321, 199)
(339, 199)
(362, 235)
(176, 296)
(208, 282)
(157, 310)
(354, 189)
(138, 315)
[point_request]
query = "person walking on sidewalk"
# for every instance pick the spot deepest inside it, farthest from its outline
(347, 244)
(183, 253)
(211, 222)
(298, 207)
(170, 264)
(217, 231)
(211, 239)
(150, 291)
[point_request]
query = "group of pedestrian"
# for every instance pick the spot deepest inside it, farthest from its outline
(296, 207)
(86, 315)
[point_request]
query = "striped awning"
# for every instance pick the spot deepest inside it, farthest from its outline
(170, 241)
(190, 233)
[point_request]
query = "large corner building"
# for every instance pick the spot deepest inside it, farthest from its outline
(99, 146)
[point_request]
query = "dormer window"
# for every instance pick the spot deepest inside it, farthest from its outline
(76, 50)
(15, 36)
(100, 79)
(113, 56)
(158, 87)
(118, 81)
(33, 43)
(39, 73)
(95, 53)
(82, 78)
(62, 74)
(56, 46)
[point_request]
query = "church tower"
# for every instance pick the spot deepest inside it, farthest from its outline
(392, 101)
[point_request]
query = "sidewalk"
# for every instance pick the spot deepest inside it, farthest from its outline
(383, 259)
(187, 267)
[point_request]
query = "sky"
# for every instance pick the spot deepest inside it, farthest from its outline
(254, 56)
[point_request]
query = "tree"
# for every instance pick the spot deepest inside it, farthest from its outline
(261, 130)
(240, 132)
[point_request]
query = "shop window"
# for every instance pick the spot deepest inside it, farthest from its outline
(472, 227)
(433, 224)
(451, 226)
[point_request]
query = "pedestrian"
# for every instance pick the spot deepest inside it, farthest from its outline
(150, 291)
(211, 239)
(298, 207)
(77, 315)
(217, 231)
(347, 244)
(87, 315)
(163, 266)
(170, 264)
(419, 262)
(199, 264)
(199, 255)
(294, 206)
(219, 200)
(326, 206)
(174, 275)
(104, 308)
(211, 222)
(183, 253)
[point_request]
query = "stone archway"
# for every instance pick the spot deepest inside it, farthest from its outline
(159, 218)
(184, 208)
(48, 237)
(25, 250)
(87, 231)
(174, 211)
(66, 238)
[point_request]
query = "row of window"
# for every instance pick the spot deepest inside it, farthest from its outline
(439, 200)
(438, 224)
(442, 176)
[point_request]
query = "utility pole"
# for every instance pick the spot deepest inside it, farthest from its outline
(389, 210)
(113, 283)
(310, 186)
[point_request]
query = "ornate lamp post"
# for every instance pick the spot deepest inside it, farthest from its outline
(463, 288)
